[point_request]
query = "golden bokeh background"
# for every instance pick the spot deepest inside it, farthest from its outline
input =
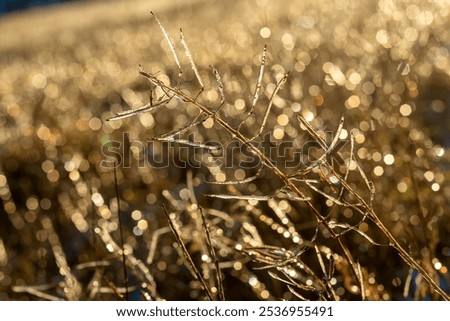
(66, 69)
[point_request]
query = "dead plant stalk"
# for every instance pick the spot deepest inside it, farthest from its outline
(408, 259)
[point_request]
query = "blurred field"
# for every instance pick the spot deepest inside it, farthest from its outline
(64, 70)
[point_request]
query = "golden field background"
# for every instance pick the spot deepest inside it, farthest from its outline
(65, 70)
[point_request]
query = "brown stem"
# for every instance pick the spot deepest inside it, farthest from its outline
(288, 183)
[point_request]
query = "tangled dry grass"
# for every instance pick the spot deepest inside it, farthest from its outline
(363, 215)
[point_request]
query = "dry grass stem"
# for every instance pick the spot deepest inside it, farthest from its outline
(195, 271)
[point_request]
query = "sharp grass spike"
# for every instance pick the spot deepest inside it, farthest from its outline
(362, 287)
(269, 107)
(257, 88)
(171, 139)
(146, 108)
(191, 61)
(214, 257)
(336, 136)
(313, 132)
(171, 46)
(349, 162)
(219, 86)
(185, 129)
(240, 197)
(188, 257)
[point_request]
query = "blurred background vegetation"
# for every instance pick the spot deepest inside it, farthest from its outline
(15, 5)
(65, 69)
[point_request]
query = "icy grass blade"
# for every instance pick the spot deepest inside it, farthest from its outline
(183, 129)
(260, 78)
(320, 259)
(219, 84)
(312, 132)
(336, 136)
(36, 292)
(348, 227)
(214, 257)
(186, 142)
(350, 159)
(298, 295)
(240, 197)
(280, 213)
(269, 108)
(278, 278)
(257, 88)
(169, 42)
(287, 193)
(71, 286)
(361, 281)
(191, 61)
(195, 271)
(146, 108)
(331, 198)
(369, 184)
(168, 92)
